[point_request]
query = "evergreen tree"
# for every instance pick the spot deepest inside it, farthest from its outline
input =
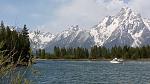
(39, 53)
(43, 54)
(2, 24)
(86, 53)
(57, 52)
(63, 52)
(26, 49)
(16, 44)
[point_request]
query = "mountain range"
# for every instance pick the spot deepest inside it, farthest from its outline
(125, 28)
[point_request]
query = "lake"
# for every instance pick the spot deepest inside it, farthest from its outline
(88, 72)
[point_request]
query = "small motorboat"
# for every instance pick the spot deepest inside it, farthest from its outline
(116, 61)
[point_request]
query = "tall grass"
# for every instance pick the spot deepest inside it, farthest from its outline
(8, 70)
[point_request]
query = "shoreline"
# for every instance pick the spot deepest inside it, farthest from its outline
(73, 59)
(90, 59)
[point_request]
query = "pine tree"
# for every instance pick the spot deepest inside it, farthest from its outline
(57, 52)
(43, 54)
(16, 44)
(86, 53)
(25, 32)
(2, 24)
(36, 53)
(26, 53)
(63, 52)
(39, 53)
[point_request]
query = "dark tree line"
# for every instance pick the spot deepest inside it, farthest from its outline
(97, 53)
(64, 53)
(15, 45)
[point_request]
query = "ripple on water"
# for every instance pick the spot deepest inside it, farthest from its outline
(93, 72)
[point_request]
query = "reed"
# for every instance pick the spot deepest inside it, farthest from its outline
(8, 70)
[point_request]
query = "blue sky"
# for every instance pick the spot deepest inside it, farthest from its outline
(30, 12)
(57, 15)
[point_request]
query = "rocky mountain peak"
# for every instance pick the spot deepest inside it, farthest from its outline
(125, 28)
(127, 13)
(75, 27)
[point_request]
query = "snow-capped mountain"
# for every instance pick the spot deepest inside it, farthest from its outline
(73, 37)
(39, 40)
(125, 28)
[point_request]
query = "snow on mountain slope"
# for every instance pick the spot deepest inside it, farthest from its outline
(147, 22)
(73, 37)
(40, 39)
(125, 28)
(103, 31)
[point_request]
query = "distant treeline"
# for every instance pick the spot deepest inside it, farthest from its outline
(96, 53)
(14, 45)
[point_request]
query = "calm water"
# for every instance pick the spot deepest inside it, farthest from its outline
(89, 72)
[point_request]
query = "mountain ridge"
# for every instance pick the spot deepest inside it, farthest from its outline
(125, 28)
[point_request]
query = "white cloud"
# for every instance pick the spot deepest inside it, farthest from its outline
(141, 6)
(87, 13)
